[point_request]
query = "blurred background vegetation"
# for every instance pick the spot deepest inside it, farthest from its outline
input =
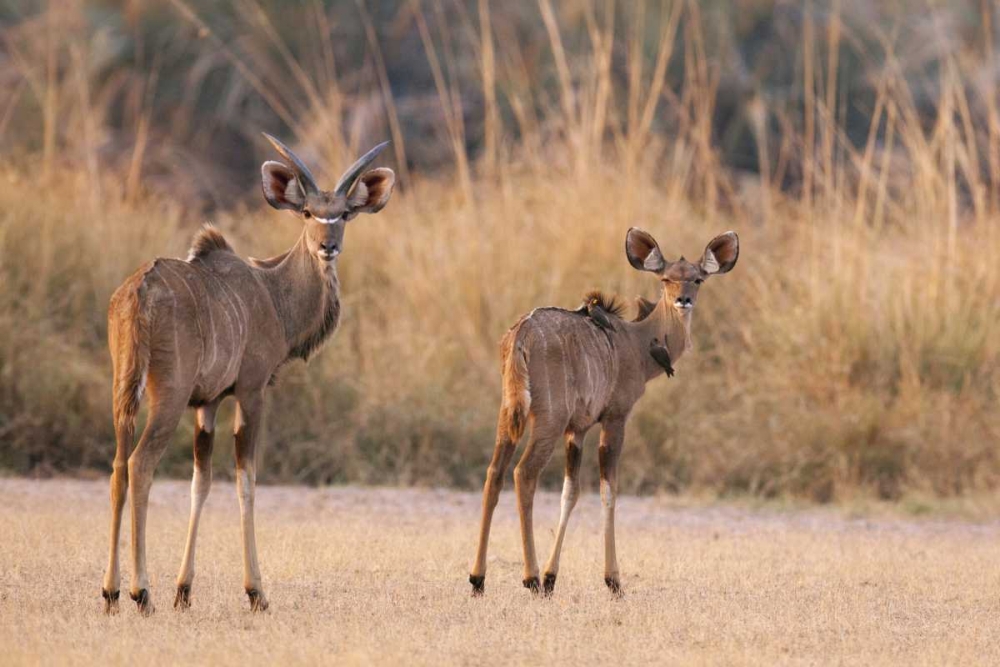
(854, 146)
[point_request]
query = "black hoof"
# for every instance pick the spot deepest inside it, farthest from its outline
(142, 601)
(110, 601)
(478, 585)
(257, 600)
(549, 583)
(531, 584)
(614, 586)
(183, 599)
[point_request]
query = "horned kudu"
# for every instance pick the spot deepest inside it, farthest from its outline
(189, 333)
(565, 371)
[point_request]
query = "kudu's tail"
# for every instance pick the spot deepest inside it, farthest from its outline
(128, 340)
(516, 387)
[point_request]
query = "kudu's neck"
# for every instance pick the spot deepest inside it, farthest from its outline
(666, 325)
(306, 295)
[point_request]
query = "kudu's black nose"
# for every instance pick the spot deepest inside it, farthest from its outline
(328, 246)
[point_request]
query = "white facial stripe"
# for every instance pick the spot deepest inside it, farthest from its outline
(329, 221)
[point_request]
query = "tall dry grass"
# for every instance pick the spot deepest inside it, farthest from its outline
(853, 351)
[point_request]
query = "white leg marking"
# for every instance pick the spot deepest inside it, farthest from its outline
(201, 482)
(205, 419)
(239, 421)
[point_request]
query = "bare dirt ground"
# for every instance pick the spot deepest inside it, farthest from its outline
(363, 576)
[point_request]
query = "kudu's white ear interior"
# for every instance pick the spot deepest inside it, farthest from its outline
(643, 252)
(721, 253)
(281, 188)
(372, 191)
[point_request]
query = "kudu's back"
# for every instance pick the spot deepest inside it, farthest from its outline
(188, 324)
(565, 371)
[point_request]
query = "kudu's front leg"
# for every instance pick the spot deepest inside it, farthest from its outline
(201, 483)
(248, 421)
(608, 453)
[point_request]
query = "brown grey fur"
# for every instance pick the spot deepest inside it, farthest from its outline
(563, 374)
(188, 333)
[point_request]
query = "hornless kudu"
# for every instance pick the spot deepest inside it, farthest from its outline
(192, 332)
(564, 371)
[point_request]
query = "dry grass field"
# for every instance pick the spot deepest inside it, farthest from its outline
(378, 576)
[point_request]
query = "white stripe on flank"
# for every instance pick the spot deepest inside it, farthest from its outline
(173, 312)
(197, 320)
(565, 369)
(545, 357)
(233, 341)
(177, 344)
(211, 334)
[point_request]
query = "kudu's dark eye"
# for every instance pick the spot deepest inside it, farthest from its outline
(306, 214)
(699, 281)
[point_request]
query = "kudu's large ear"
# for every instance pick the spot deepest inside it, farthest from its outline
(372, 191)
(643, 252)
(721, 253)
(281, 188)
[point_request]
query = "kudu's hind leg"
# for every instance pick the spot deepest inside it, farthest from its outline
(536, 455)
(163, 417)
(608, 453)
(570, 494)
(248, 421)
(124, 436)
(503, 452)
(201, 483)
